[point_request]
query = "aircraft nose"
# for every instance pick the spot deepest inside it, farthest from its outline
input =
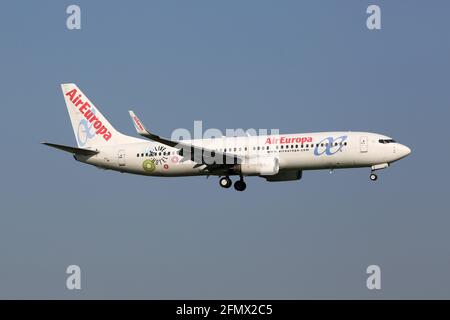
(404, 150)
(408, 150)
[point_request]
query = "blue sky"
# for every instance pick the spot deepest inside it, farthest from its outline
(298, 66)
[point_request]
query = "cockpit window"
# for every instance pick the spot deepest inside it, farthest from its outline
(385, 141)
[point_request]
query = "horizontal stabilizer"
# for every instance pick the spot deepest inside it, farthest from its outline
(85, 152)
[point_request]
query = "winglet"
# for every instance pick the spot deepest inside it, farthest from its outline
(147, 134)
(138, 124)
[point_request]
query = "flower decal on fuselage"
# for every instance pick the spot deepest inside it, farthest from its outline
(148, 165)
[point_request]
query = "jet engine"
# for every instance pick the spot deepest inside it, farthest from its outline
(259, 166)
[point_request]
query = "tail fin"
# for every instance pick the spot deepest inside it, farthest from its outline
(90, 127)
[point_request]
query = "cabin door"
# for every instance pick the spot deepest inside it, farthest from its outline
(121, 157)
(364, 144)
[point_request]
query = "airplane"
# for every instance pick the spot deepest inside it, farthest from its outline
(281, 157)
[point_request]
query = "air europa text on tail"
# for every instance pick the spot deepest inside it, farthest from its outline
(85, 108)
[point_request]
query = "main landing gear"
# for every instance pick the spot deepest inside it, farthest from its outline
(225, 182)
(239, 185)
(373, 177)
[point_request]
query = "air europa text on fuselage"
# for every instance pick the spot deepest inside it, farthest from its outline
(84, 108)
(283, 140)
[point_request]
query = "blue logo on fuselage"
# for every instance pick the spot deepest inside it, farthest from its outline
(329, 146)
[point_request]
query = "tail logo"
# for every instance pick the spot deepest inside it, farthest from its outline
(90, 125)
(85, 131)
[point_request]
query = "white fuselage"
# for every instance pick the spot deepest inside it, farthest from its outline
(294, 152)
(273, 157)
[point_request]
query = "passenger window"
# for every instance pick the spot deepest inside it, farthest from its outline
(137, 155)
(142, 154)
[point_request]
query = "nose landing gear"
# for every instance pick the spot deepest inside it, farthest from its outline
(373, 176)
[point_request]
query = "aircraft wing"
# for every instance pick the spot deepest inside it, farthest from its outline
(202, 156)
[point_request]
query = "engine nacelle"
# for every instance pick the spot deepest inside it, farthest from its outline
(285, 175)
(260, 166)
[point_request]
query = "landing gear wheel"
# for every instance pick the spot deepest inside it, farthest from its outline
(240, 185)
(373, 177)
(225, 182)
